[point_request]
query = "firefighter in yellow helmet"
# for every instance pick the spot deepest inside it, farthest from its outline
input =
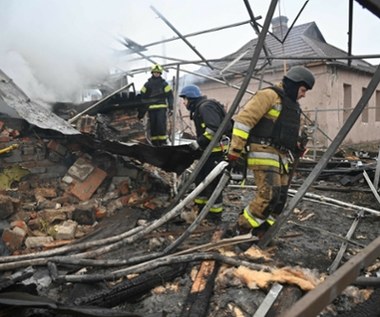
(157, 95)
(269, 123)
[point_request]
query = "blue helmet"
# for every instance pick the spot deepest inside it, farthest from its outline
(191, 91)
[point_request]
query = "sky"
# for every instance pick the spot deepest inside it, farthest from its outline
(53, 48)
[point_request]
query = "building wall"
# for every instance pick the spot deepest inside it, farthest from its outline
(324, 104)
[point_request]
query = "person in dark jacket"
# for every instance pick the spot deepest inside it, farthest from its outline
(207, 115)
(270, 124)
(157, 95)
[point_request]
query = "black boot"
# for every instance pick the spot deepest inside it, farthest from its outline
(214, 217)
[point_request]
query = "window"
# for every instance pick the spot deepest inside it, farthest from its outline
(365, 110)
(347, 101)
(377, 110)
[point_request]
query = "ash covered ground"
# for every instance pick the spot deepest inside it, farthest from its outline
(309, 241)
(298, 258)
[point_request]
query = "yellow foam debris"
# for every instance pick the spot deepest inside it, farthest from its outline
(297, 276)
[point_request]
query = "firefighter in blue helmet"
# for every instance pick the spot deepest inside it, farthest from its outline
(207, 115)
(270, 124)
(158, 95)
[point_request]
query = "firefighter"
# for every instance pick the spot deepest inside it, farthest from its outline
(207, 115)
(269, 123)
(157, 94)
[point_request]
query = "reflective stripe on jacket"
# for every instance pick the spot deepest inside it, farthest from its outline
(207, 117)
(266, 104)
(265, 157)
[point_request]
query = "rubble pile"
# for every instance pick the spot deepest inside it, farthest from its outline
(53, 193)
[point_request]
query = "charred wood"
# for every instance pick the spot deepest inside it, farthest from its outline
(130, 290)
(367, 282)
(330, 234)
(168, 260)
(6, 282)
(288, 296)
(369, 308)
(17, 304)
(198, 300)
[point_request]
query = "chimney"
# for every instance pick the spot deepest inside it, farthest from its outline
(280, 26)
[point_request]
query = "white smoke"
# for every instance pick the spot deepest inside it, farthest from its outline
(52, 50)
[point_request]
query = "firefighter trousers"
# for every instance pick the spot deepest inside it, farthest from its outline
(201, 200)
(271, 194)
(158, 126)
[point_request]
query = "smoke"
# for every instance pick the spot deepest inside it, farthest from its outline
(52, 49)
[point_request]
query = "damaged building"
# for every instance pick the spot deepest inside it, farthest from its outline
(95, 221)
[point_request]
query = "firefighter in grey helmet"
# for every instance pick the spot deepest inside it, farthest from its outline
(269, 123)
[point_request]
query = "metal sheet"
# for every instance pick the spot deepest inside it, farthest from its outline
(16, 104)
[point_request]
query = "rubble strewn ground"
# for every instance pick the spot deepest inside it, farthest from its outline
(82, 227)
(305, 246)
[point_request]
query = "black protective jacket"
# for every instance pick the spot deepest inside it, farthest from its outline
(156, 94)
(208, 115)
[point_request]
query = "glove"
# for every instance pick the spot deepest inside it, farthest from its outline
(194, 146)
(170, 112)
(232, 157)
(232, 160)
(301, 149)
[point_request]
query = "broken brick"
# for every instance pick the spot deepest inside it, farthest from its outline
(84, 190)
(53, 215)
(66, 231)
(57, 147)
(100, 213)
(123, 187)
(45, 192)
(37, 242)
(4, 139)
(7, 207)
(13, 238)
(81, 169)
(15, 133)
(150, 205)
(86, 124)
(19, 223)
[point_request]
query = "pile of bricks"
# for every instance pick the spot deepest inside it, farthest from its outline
(57, 192)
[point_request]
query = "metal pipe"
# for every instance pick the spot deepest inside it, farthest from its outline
(200, 32)
(175, 92)
(255, 27)
(219, 188)
(181, 36)
(76, 117)
(350, 18)
(216, 80)
(294, 21)
(377, 172)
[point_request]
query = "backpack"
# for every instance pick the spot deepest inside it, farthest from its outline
(229, 125)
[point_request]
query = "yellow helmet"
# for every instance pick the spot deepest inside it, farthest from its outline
(156, 69)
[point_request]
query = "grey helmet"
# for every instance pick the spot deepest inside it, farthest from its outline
(300, 74)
